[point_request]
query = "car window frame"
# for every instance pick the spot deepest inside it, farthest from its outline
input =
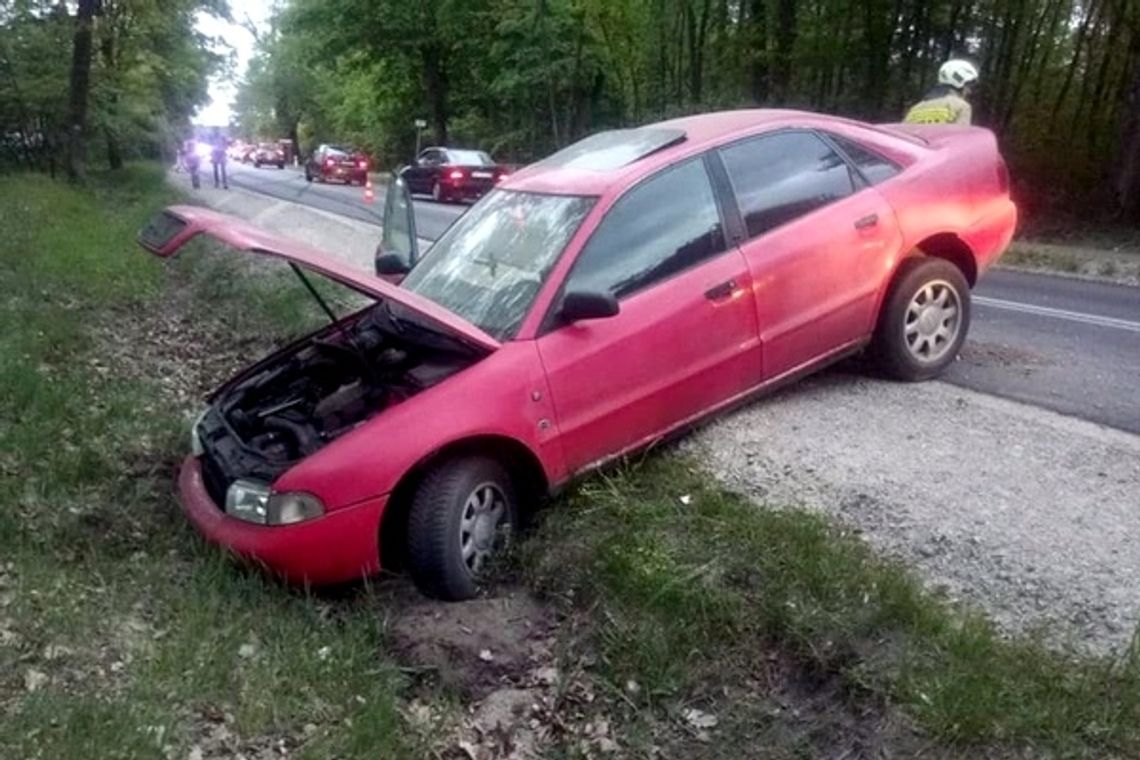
(550, 321)
(858, 181)
(833, 139)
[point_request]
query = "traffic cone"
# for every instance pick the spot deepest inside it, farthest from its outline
(369, 196)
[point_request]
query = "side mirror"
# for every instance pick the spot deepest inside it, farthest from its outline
(391, 266)
(579, 305)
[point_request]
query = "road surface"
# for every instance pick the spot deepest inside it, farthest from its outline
(347, 200)
(1068, 345)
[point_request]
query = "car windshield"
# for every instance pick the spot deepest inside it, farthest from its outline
(470, 157)
(489, 266)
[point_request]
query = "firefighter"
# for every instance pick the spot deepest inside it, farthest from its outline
(946, 103)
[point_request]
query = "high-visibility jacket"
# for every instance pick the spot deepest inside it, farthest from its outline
(944, 108)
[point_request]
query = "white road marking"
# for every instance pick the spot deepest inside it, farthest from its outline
(1070, 316)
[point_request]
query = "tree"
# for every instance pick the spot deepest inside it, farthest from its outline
(79, 89)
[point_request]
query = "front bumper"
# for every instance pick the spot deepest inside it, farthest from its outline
(341, 546)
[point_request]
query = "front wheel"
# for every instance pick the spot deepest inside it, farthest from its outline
(308, 175)
(924, 320)
(462, 515)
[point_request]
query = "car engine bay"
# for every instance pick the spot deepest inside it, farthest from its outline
(296, 402)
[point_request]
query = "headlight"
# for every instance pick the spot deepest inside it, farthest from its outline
(246, 500)
(293, 507)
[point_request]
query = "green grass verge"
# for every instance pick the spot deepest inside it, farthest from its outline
(686, 597)
(121, 635)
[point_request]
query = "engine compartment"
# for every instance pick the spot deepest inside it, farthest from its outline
(292, 404)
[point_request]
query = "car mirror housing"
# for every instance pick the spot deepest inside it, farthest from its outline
(582, 305)
(390, 265)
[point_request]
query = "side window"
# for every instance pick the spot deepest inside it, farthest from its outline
(662, 226)
(781, 177)
(874, 167)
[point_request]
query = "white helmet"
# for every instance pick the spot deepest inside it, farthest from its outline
(957, 73)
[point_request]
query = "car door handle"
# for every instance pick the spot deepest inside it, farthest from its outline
(721, 291)
(867, 222)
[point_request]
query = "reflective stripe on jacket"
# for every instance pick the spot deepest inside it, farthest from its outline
(943, 109)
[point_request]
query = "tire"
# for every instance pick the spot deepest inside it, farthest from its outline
(281, 167)
(308, 175)
(448, 545)
(437, 193)
(924, 320)
(256, 164)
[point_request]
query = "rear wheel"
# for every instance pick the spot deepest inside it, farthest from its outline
(437, 192)
(462, 515)
(924, 320)
(308, 175)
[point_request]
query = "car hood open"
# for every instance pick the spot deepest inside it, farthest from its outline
(175, 226)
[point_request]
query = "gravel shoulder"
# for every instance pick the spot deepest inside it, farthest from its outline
(1028, 514)
(1025, 513)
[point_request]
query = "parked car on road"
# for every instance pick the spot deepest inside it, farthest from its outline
(450, 174)
(333, 162)
(592, 304)
(269, 153)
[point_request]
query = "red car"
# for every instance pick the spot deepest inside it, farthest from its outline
(268, 153)
(596, 302)
(449, 174)
(330, 162)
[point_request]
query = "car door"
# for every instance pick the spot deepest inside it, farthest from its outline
(685, 338)
(398, 250)
(819, 243)
(420, 174)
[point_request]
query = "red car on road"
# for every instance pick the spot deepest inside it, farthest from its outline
(333, 163)
(450, 174)
(592, 304)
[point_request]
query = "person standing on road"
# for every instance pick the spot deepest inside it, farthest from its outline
(947, 103)
(218, 159)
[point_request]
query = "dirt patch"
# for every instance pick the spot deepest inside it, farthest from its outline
(982, 353)
(475, 647)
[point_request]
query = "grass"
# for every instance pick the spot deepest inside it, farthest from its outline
(1022, 255)
(121, 635)
(688, 595)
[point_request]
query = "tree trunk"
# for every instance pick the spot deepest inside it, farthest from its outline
(1128, 178)
(1082, 34)
(435, 87)
(80, 89)
(758, 71)
(785, 44)
(114, 153)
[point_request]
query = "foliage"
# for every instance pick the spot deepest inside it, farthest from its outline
(149, 70)
(522, 77)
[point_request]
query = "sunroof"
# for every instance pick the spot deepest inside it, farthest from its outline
(614, 149)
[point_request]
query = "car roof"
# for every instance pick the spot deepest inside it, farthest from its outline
(578, 175)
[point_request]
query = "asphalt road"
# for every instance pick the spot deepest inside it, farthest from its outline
(347, 200)
(1064, 344)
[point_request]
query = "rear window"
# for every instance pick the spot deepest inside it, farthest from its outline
(874, 167)
(469, 157)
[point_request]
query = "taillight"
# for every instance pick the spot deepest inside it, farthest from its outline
(362, 164)
(330, 162)
(456, 174)
(501, 176)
